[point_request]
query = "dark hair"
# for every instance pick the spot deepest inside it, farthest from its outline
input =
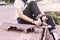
(25, 1)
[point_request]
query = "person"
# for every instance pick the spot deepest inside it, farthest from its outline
(28, 10)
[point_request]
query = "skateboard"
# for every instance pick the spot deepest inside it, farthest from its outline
(24, 27)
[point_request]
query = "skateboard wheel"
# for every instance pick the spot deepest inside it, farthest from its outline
(25, 31)
(9, 28)
(33, 29)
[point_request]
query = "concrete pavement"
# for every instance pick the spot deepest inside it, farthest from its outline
(19, 35)
(7, 13)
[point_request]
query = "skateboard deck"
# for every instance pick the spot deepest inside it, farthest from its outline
(24, 27)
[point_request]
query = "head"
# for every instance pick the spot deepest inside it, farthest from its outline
(25, 1)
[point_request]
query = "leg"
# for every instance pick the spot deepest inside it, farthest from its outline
(43, 34)
(35, 9)
(29, 11)
(51, 22)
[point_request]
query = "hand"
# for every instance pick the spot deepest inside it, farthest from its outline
(38, 23)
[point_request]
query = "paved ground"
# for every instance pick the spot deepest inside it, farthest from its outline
(13, 35)
(7, 13)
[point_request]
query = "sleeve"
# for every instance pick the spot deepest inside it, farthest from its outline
(18, 4)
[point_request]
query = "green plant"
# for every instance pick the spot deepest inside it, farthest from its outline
(55, 17)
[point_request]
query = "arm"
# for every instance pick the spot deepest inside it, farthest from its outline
(24, 17)
(18, 7)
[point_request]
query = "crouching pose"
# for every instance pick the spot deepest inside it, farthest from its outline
(28, 11)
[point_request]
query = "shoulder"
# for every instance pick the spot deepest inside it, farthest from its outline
(18, 4)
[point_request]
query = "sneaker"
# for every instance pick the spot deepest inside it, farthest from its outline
(45, 25)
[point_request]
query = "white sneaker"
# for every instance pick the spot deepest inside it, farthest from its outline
(45, 25)
(55, 35)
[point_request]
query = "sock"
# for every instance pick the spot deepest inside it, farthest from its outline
(55, 37)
